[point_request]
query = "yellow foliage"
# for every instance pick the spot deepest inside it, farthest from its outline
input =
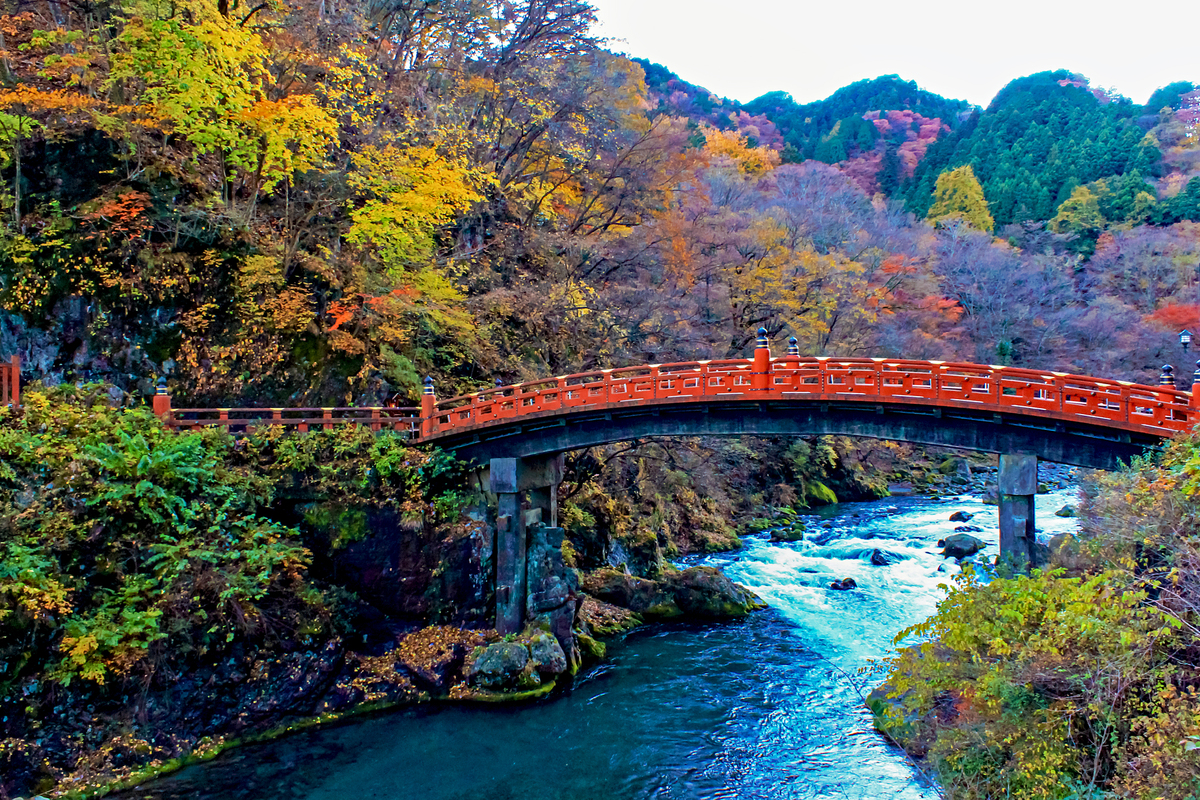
(733, 146)
(406, 193)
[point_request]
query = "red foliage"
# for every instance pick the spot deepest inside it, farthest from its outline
(1176, 316)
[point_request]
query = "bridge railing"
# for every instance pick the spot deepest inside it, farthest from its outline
(245, 420)
(1159, 409)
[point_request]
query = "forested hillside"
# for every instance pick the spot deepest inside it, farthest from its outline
(276, 204)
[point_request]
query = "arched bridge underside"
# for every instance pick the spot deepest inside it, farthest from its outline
(1073, 442)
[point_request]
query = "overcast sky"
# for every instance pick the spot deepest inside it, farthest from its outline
(744, 48)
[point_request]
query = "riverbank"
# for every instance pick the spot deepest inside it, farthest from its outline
(1082, 680)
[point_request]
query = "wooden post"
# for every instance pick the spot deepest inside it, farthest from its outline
(760, 373)
(162, 402)
(15, 382)
(1194, 415)
(428, 408)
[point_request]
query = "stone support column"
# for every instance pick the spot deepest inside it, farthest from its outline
(511, 479)
(1018, 489)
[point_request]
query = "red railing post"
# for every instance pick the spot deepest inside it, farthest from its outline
(162, 403)
(428, 408)
(15, 382)
(1194, 413)
(760, 373)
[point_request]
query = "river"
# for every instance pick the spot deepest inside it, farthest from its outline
(759, 709)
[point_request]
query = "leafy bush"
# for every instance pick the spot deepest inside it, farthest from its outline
(128, 551)
(1064, 685)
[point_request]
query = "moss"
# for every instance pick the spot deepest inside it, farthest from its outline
(667, 610)
(483, 696)
(592, 649)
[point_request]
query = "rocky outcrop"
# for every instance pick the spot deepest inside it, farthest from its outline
(606, 620)
(843, 584)
(552, 598)
(695, 593)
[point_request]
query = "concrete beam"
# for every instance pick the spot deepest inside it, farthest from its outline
(523, 474)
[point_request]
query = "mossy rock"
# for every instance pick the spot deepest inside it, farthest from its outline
(592, 649)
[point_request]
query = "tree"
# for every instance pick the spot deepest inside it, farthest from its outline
(1079, 214)
(959, 195)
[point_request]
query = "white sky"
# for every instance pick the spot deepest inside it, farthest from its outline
(960, 49)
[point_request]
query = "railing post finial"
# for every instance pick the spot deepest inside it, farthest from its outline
(1167, 378)
(499, 383)
(762, 339)
(793, 347)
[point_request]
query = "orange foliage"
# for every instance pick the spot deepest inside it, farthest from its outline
(1176, 316)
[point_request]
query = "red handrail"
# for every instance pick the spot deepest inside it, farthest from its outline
(1157, 410)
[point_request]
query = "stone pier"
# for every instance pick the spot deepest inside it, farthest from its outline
(526, 492)
(1018, 490)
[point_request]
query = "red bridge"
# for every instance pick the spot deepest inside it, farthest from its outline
(1071, 419)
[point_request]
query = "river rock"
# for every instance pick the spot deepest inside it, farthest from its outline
(961, 516)
(611, 586)
(1066, 511)
(961, 545)
(706, 593)
(793, 533)
(968, 529)
(884, 558)
(547, 654)
(844, 584)
(498, 666)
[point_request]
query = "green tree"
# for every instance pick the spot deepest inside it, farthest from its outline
(959, 195)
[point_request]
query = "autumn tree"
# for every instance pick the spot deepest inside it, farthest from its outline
(959, 195)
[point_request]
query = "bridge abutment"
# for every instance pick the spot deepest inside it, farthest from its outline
(1017, 496)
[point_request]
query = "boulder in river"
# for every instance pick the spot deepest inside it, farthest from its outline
(1066, 511)
(706, 593)
(962, 545)
(620, 589)
(699, 592)
(792, 533)
(844, 584)
(960, 516)
(968, 529)
(885, 558)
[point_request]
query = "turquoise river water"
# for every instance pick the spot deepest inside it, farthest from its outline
(763, 709)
